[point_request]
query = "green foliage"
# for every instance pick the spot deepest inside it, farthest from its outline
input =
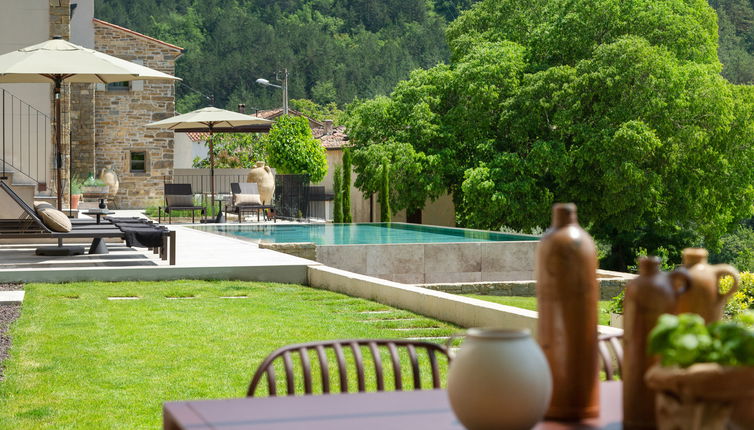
(384, 197)
(91, 181)
(618, 106)
(76, 184)
(335, 51)
(235, 151)
(684, 340)
(346, 186)
(338, 194)
(737, 248)
(616, 303)
(743, 299)
(292, 149)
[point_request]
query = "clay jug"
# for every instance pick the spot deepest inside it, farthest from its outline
(109, 177)
(265, 181)
(703, 295)
(499, 380)
(648, 296)
(567, 294)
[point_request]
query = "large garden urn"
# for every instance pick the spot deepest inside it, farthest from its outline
(265, 180)
(499, 380)
(109, 177)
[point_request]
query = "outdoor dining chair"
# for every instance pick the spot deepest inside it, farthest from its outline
(179, 197)
(610, 348)
(318, 355)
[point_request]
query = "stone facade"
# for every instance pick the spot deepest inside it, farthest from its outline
(121, 116)
(82, 129)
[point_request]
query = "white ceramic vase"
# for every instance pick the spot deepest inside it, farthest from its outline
(499, 379)
(109, 177)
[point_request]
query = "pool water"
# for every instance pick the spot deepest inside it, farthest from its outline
(360, 234)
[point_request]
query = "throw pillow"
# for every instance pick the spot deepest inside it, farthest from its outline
(39, 206)
(180, 200)
(246, 199)
(56, 220)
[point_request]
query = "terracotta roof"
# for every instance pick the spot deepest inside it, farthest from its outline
(197, 136)
(126, 30)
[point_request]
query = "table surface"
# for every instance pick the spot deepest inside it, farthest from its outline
(416, 410)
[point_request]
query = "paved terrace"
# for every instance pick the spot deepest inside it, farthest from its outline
(200, 255)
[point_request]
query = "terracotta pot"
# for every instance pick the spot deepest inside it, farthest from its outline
(265, 181)
(567, 295)
(499, 380)
(648, 296)
(700, 397)
(109, 177)
(703, 295)
(75, 199)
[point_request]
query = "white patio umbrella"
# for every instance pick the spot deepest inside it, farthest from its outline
(59, 61)
(211, 119)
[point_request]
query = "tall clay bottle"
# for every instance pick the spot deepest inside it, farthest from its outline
(567, 294)
(650, 295)
(703, 295)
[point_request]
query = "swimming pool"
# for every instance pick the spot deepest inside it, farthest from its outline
(360, 233)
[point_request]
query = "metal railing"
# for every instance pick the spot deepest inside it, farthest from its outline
(26, 136)
(291, 198)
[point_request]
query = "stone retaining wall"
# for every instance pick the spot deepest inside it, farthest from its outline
(609, 288)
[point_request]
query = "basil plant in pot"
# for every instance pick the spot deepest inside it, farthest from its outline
(705, 378)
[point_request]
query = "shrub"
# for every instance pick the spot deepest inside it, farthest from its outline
(743, 299)
(337, 196)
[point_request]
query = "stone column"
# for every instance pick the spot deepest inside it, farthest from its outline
(60, 25)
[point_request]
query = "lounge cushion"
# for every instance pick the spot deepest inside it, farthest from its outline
(56, 220)
(246, 199)
(183, 200)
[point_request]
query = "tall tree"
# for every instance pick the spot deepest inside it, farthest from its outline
(618, 106)
(384, 196)
(338, 194)
(291, 148)
(346, 186)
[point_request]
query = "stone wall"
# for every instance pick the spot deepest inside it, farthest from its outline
(121, 117)
(82, 129)
(60, 25)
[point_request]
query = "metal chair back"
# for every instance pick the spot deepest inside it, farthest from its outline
(610, 348)
(355, 349)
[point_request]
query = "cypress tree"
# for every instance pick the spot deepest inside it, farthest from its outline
(346, 198)
(337, 195)
(385, 193)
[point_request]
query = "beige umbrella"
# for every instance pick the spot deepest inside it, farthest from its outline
(59, 61)
(211, 119)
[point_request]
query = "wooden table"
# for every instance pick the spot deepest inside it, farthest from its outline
(415, 410)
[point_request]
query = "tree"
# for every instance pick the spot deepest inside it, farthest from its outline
(346, 185)
(618, 106)
(235, 151)
(291, 148)
(338, 195)
(384, 195)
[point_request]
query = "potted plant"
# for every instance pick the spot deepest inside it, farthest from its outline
(703, 371)
(76, 184)
(615, 309)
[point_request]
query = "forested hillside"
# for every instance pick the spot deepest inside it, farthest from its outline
(335, 50)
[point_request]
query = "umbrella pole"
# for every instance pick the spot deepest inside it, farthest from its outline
(58, 143)
(212, 170)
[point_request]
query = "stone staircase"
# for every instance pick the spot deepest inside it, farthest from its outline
(26, 188)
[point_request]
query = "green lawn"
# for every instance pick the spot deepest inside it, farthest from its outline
(79, 360)
(531, 304)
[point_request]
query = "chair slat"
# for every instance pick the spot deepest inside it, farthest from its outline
(306, 369)
(271, 381)
(342, 371)
(397, 374)
(377, 366)
(414, 366)
(360, 380)
(435, 368)
(606, 360)
(289, 376)
(324, 367)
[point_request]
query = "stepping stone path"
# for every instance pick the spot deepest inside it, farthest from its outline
(124, 298)
(390, 318)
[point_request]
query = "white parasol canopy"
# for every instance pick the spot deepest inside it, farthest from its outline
(59, 61)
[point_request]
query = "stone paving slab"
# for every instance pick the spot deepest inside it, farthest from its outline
(11, 297)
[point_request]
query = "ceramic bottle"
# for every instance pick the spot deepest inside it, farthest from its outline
(648, 296)
(703, 295)
(567, 295)
(499, 380)
(265, 180)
